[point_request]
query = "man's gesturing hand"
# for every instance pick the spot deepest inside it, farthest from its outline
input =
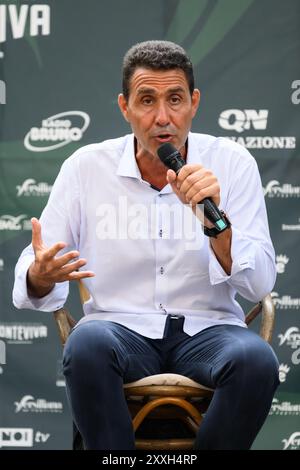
(47, 268)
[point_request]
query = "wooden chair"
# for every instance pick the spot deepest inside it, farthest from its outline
(168, 397)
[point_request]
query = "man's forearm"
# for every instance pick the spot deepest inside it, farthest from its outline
(222, 249)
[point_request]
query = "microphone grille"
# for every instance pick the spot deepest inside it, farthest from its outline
(165, 150)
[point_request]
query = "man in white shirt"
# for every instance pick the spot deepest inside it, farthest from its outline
(162, 297)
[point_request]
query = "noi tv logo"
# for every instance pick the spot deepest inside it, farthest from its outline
(241, 120)
(57, 131)
(16, 437)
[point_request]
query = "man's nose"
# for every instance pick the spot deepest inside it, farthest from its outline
(162, 115)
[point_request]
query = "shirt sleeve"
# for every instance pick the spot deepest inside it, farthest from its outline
(253, 272)
(60, 221)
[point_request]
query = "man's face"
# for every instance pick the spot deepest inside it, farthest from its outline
(160, 108)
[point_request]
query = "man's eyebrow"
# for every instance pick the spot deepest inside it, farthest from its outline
(146, 91)
(151, 91)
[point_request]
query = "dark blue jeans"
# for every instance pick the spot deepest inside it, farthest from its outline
(100, 356)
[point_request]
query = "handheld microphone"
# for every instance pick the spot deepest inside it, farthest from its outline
(172, 158)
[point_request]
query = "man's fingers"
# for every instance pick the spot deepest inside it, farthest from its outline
(69, 268)
(53, 250)
(61, 261)
(37, 241)
(80, 275)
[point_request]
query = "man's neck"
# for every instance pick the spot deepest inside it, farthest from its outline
(151, 168)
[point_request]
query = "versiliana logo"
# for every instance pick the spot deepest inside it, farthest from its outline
(273, 189)
(57, 131)
(30, 187)
(293, 442)
(285, 302)
(292, 339)
(28, 403)
(284, 408)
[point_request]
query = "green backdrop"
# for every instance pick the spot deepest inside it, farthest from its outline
(60, 61)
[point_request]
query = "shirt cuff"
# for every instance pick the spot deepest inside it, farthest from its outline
(49, 303)
(242, 254)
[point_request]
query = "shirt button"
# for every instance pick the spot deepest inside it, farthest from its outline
(160, 233)
(162, 270)
(161, 306)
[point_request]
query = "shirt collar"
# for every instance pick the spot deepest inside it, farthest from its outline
(128, 165)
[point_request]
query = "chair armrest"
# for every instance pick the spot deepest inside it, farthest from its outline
(64, 322)
(267, 309)
(268, 318)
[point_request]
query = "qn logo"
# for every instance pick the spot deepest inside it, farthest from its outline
(241, 120)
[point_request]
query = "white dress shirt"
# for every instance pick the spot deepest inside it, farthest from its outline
(144, 267)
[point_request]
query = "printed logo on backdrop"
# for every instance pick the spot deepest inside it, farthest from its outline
(40, 405)
(21, 437)
(283, 372)
(57, 131)
(295, 96)
(19, 21)
(15, 222)
(285, 302)
(291, 227)
(30, 187)
(60, 378)
(2, 92)
(23, 333)
(292, 442)
(274, 189)
(239, 120)
(281, 262)
(284, 408)
(291, 338)
(2, 355)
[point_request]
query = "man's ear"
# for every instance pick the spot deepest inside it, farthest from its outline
(195, 100)
(122, 102)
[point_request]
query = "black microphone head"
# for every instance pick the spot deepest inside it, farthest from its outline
(170, 156)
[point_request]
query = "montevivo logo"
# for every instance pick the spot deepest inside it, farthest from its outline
(12, 222)
(293, 442)
(23, 333)
(21, 437)
(239, 120)
(57, 131)
(30, 187)
(28, 403)
(274, 189)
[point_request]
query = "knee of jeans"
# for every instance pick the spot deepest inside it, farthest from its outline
(255, 360)
(88, 343)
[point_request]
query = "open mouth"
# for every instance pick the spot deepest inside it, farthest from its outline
(164, 137)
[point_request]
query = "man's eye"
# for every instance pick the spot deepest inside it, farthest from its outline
(147, 101)
(175, 99)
